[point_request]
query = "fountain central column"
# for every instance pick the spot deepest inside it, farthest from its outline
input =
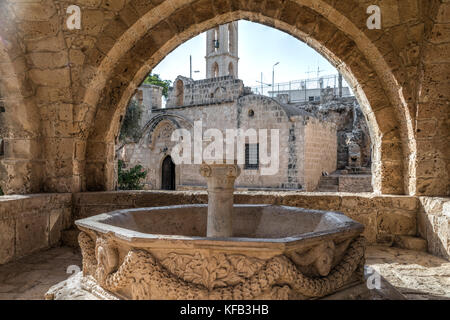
(220, 179)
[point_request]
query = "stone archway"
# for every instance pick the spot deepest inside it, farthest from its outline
(21, 161)
(73, 85)
(139, 36)
(168, 174)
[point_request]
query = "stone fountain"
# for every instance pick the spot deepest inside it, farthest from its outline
(220, 250)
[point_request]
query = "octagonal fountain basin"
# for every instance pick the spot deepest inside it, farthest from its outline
(275, 252)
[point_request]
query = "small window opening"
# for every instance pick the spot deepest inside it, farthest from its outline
(251, 156)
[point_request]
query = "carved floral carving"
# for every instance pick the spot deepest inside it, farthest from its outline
(205, 170)
(220, 276)
(216, 271)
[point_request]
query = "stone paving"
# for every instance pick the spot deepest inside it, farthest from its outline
(416, 275)
(406, 274)
(29, 278)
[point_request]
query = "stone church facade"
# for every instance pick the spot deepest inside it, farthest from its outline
(313, 140)
(304, 139)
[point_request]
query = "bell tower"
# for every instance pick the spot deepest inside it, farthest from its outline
(222, 51)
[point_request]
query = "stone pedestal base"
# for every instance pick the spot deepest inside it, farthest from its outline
(78, 287)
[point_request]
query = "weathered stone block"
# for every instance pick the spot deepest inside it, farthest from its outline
(57, 78)
(434, 224)
(7, 240)
(438, 54)
(392, 177)
(439, 237)
(92, 21)
(89, 3)
(52, 94)
(40, 29)
(143, 6)
(397, 222)
(161, 33)
(114, 5)
(31, 232)
(129, 15)
(22, 148)
(55, 226)
(411, 243)
(325, 202)
(369, 222)
(401, 202)
(106, 198)
(76, 57)
(34, 11)
(115, 28)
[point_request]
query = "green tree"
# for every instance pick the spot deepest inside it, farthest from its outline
(131, 131)
(157, 81)
(1, 192)
(131, 179)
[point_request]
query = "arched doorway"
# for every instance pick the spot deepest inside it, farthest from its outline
(168, 174)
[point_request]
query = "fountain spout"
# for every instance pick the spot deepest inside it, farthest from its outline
(220, 179)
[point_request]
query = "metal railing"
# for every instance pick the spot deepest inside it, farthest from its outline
(305, 89)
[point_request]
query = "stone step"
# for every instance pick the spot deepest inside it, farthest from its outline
(327, 183)
(410, 243)
(328, 188)
(69, 237)
(329, 179)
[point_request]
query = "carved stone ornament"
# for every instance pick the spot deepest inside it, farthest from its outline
(221, 276)
(205, 170)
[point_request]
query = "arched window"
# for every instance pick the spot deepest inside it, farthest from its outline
(215, 70)
(231, 69)
(179, 93)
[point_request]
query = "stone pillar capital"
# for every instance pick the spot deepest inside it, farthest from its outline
(220, 176)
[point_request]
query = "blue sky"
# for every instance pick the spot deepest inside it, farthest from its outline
(259, 48)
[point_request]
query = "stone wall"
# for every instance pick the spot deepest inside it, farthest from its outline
(383, 216)
(149, 97)
(204, 92)
(434, 225)
(259, 112)
(351, 126)
(33, 222)
(355, 183)
(320, 139)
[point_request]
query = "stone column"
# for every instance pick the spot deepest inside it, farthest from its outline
(220, 179)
